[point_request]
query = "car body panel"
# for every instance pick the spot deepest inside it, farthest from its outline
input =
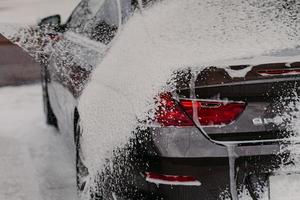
(190, 143)
(73, 58)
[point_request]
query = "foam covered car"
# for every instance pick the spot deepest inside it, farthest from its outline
(168, 100)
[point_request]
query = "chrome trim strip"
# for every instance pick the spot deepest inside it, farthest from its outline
(250, 82)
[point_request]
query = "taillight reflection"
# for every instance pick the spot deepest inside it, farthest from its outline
(153, 177)
(210, 112)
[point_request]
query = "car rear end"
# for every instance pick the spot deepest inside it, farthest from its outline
(221, 130)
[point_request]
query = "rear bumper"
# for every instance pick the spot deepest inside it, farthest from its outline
(212, 173)
(186, 152)
(191, 143)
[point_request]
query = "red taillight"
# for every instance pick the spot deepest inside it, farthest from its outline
(170, 114)
(210, 113)
(276, 72)
(171, 179)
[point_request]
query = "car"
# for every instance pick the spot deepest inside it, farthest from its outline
(142, 130)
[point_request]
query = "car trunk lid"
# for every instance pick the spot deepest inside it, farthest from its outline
(268, 90)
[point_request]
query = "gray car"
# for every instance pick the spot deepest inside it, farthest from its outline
(220, 131)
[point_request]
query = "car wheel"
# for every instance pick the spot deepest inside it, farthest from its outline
(49, 114)
(81, 170)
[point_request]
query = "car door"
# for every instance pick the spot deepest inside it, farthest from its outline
(89, 33)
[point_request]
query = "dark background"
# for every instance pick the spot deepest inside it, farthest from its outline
(16, 66)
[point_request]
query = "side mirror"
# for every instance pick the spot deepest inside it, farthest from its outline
(54, 21)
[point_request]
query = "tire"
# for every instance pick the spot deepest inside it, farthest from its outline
(81, 170)
(257, 184)
(49, 114)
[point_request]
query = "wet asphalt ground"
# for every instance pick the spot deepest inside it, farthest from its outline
(35, 161)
